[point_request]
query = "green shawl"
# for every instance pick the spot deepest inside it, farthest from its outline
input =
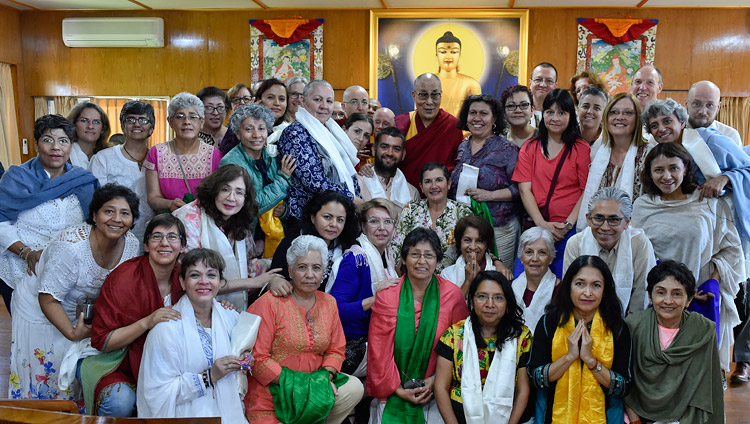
(412, 353)
(681, 383)
(481, 209)
(304, 397)
(93, 369)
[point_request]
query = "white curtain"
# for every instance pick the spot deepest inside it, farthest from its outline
(9, 147)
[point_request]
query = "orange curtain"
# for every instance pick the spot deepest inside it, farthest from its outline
(113, 106)
(63, 104)
(40, 107)
(735, 112)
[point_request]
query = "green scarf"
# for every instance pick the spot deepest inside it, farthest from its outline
(304, 397)
(481, 209)
(411, 353)
(682, 382)
(93, 369)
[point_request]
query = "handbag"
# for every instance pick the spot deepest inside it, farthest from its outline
(544, 210)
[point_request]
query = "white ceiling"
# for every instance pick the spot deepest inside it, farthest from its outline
(348, 4)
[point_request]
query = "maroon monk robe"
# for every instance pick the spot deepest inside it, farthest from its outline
(128, 294)
(436, 143)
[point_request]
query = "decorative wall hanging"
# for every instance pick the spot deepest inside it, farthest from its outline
(285, 48)
(615, 49)
(473, 52)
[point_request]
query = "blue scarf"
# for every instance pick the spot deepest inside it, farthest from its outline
(26, 186)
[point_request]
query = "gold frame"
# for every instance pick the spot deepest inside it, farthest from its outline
(521, 14)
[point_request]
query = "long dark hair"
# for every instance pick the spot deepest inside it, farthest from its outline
(669, 150)
(610, 309)
(564, 101)
(511, 324)
(351, 227)
(265, 86)
(238, 225)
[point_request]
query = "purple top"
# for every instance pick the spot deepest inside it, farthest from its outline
(496, 161)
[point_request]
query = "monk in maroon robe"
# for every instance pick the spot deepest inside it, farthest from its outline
(431, 133)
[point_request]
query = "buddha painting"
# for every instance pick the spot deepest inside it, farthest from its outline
(456, 86)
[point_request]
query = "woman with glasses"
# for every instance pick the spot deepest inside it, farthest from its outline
(294, 88)
(518, 103)
(124, 164)
(216, 105)
(119, 328)
(407, 322)
(239, 95)
(437, 212)
(324, 154)
(580, 357)
(38, 199)
(222, 218)
(51, 327)
(474, 242)
(174, 168)
(618, 160)
(481, 356)
(366, 268)
(591, 104)
(495, 159)
(92, 132)
(551, 173)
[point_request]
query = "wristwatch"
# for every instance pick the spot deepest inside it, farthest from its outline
(597, 367)
(568, 225)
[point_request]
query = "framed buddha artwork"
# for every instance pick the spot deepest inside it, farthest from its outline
(472, 51)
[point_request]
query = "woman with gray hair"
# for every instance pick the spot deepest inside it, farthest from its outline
(270, 175)
(294, 88)
(300, 346)
(537, 285)
(174, 168)
(325, 156)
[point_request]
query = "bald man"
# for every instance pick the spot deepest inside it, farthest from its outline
(356, 100)
(338, 111)
(431, 133)
(646, 85)
(372, 106)
(702, 104)
(382, 118)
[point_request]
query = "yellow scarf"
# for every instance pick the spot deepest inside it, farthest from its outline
(413, 125)
(578, 382)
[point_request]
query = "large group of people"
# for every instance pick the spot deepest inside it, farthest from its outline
(552, 255)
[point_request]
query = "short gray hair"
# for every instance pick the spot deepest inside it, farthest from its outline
(663, 107)
(184, 100)
(616, 194)
(251, 111)
(295, 80)
(302, 245)
(594, 90)
(533, 234)
(312, 85)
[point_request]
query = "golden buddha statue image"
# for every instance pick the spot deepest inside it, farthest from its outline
(456, 86)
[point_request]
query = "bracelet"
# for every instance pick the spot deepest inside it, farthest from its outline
(332, 375)
(596, 368)
(206, 378)
(26, 249)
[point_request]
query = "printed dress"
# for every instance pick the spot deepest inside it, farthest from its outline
(67, 271)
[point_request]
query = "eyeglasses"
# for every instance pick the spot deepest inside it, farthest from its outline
(613, 221)
(356, 102)
(50, 141)
(375, 222)
(238, 100)
(628, 113)
(483, 298)
(540, 81)
(226, 191)
(133, 120)
(85, 121)
(510, 107)
(700, 105)
(171, 237)
(429, 257)
(182, 117)
(294, 96)
(218, 109)
(435, 95)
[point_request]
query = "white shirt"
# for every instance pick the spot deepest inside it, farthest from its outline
(727, 131)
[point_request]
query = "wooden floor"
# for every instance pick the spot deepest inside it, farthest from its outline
(736, 399)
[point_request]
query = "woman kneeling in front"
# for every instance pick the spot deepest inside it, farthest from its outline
(185, 362)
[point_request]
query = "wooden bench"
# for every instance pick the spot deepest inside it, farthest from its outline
(18, 415)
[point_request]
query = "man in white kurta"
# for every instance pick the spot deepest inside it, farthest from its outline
(626, 250)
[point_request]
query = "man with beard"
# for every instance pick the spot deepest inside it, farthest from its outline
(388, 182)
(702, 104)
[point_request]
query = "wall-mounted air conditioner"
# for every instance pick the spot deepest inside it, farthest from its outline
(113, 32)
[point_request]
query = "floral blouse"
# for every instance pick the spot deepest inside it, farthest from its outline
(417, 214)
(451, 347)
